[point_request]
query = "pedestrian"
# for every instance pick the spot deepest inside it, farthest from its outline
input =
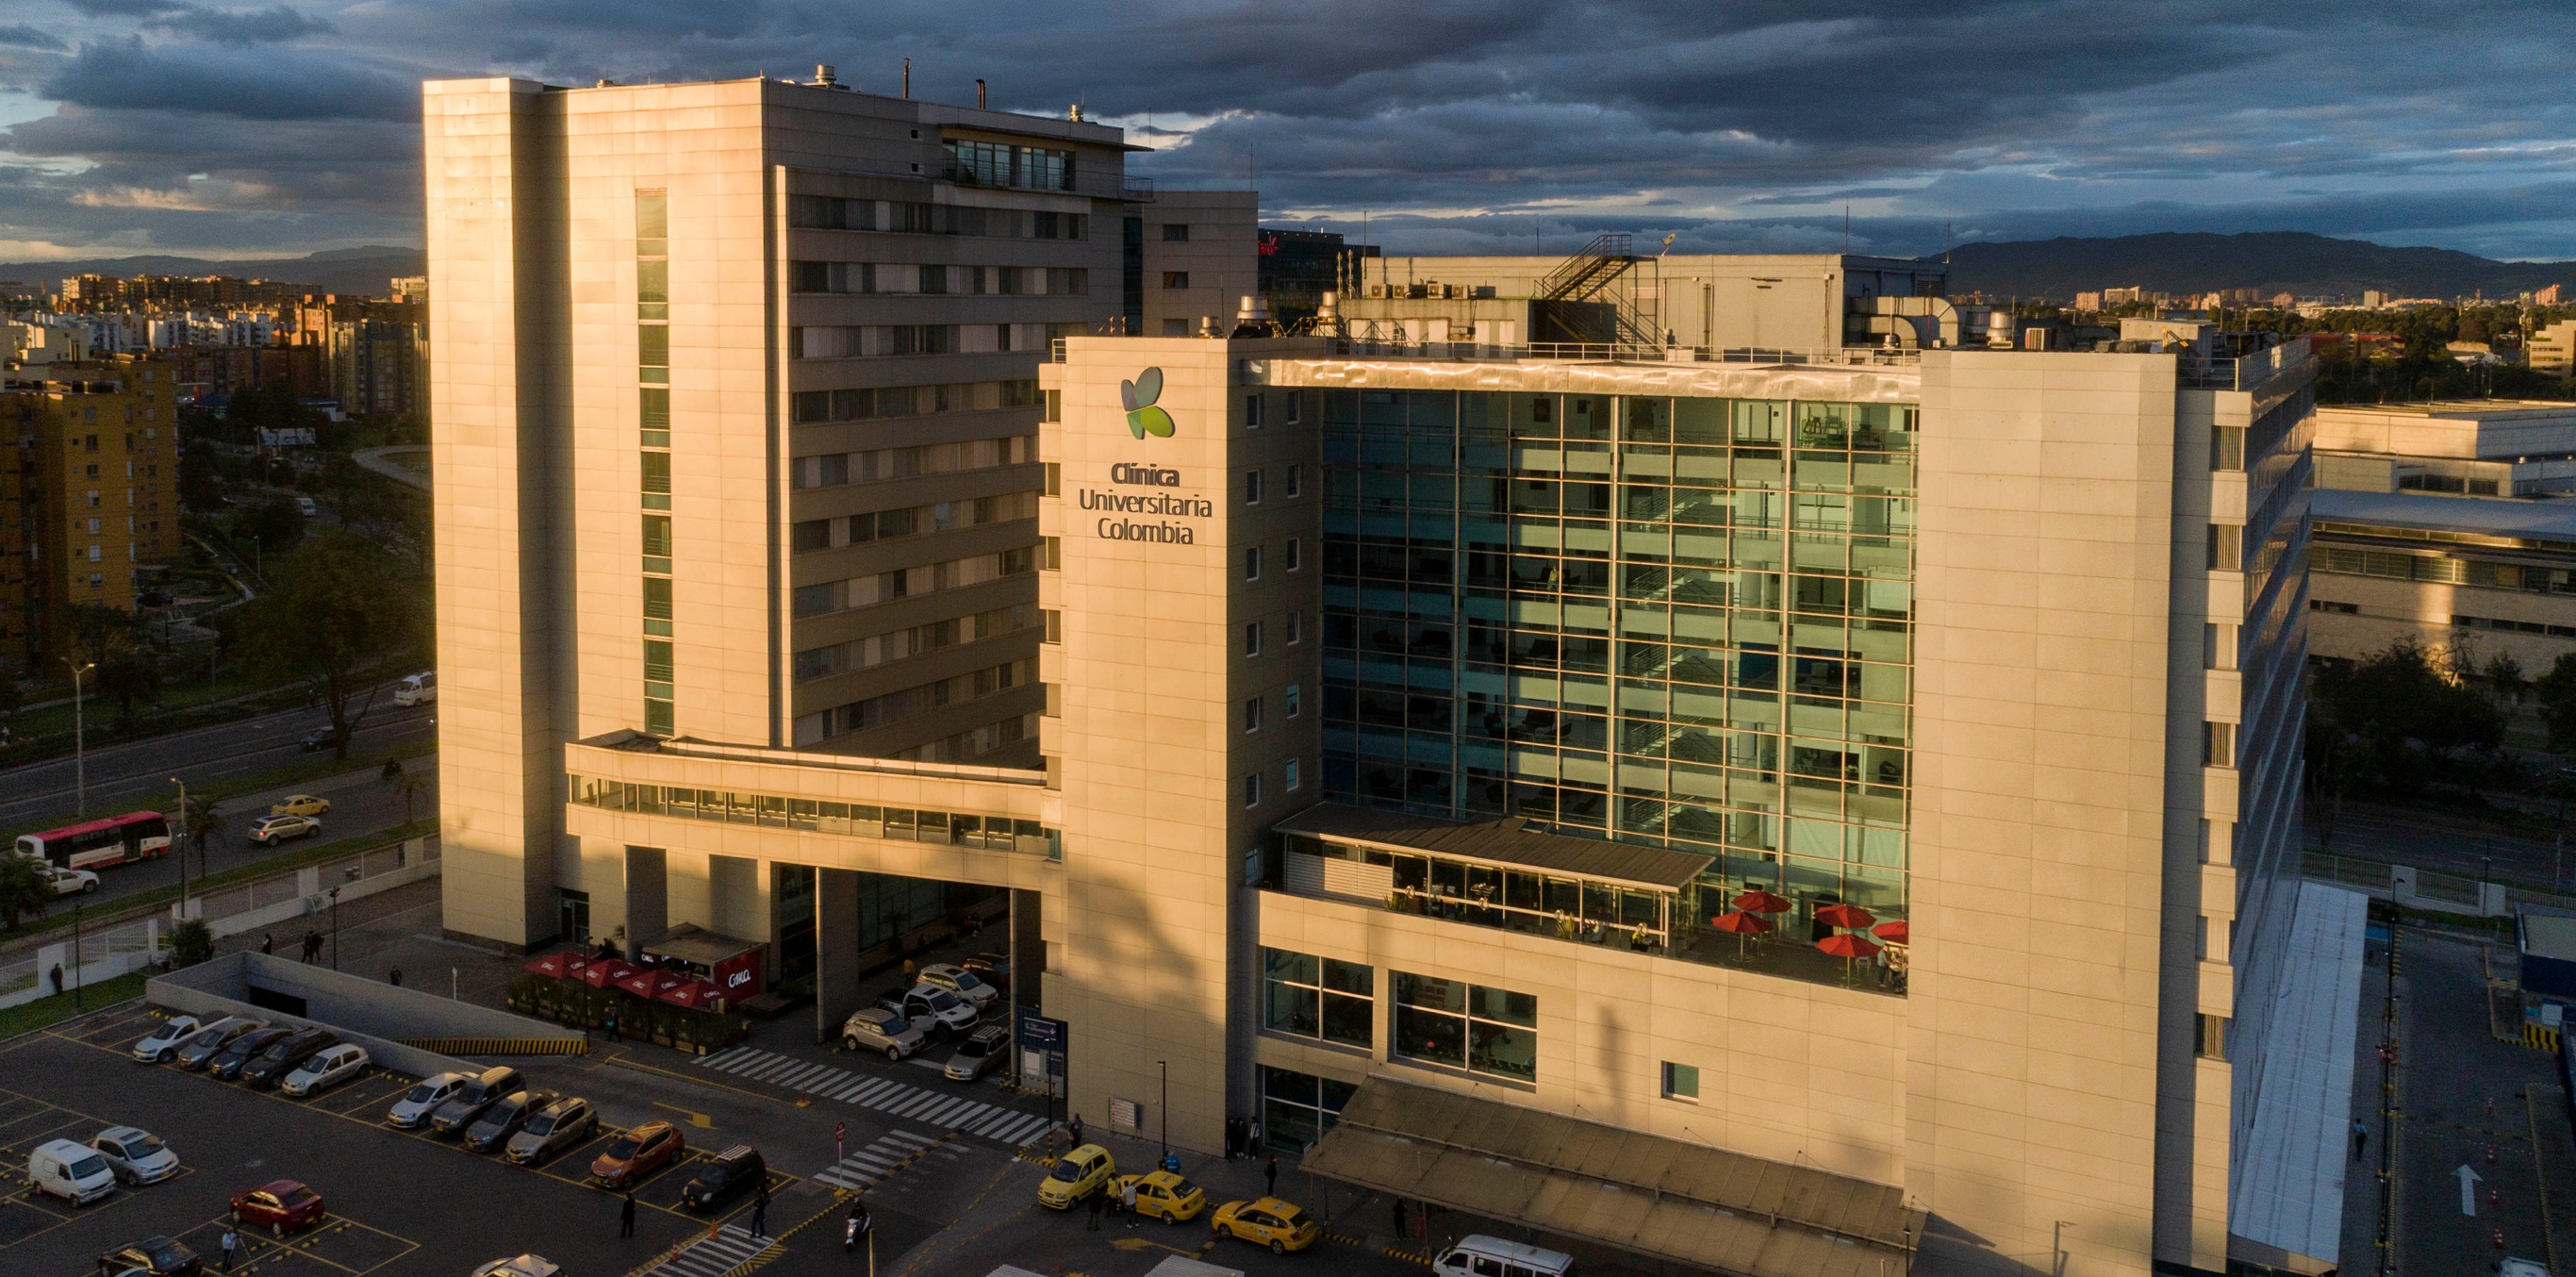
(1270, 1176)
(1127, 1202)
(760, 1210)
(57, 974)
(268, 942)
(1094, 1225)
(1399, 1218)
(626, 1215)
(908, 970)
(231, 1247)
(1233, 1136)
(394, 977)
(1252, 1139)
(2360, 1138)
(612, 1032)
(1077, 1130)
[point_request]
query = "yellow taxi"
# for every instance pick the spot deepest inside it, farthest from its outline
(301, 805)
(1268, 1222)
(1077, 1175)
(1164, 1195)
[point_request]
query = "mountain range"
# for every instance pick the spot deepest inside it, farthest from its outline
(367, 270)
(2293, 262)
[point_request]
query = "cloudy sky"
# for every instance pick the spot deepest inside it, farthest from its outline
(144, 126)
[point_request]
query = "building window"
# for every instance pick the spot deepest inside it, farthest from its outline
(1288, 776)
(1297, 1108)
(2227, 448)
(1295, 705)
(1326, 999)
(1252, 412)
(1252, 714)
(2218, 647)
(1681, 1082)
(1469, 1026)
(1252, 790)
(1053, 620)
(2213, 1037)
(1252, 487)
(1252, 563)
(1176, 232)
(1176, 279)
(1296, 633)
(1296, 558)
(2218, 744)
(2226, 547)
(1294, 399)
(1296, 473)
(1252, 638)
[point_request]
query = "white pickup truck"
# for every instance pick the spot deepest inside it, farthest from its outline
(67, 882)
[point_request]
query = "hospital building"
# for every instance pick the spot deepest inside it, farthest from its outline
(1772, 810)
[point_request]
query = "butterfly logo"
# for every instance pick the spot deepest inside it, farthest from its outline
(1143, 418)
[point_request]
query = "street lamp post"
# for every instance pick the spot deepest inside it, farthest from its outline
(1164, 1071)
(80, 738)
(335, 928)
(182, 841)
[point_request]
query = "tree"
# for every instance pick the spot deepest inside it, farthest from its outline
(411, 785)
(201, 822)
(274, 525)
(117, 643)
(23, 889)
(191, 943)
(2393, 722)
(2504, 677)
(2556, 692)
(12, 697)
(340, 607)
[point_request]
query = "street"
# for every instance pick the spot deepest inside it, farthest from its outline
(133, 775)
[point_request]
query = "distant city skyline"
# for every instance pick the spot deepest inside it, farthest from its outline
(160, 126)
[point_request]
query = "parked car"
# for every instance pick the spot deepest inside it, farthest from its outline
(479, 1093)
(936, 1008)
(162, 1045)
(68, 882)
(229, 1063)
(520, 1266)
(327, 1069)
(963, 983)
(412, 1111)
(561, 1125)
(637, 1154)
(877, 1029)
(728, 1173)
(137, 1157)
(281, 1206)
(1164, 1195)
(991, 968)
(76, 1174)
(979, 1054)
(1077, 1175)
(283, 1055)
(277, 829)
(155, 1257)
(1266, 1222)
(214, 1039)
(301, 805)
(503, 1120)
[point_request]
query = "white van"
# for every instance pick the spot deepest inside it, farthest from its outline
(326, 1070)
(70, 1171)
(419, 689)
(1476, 1255)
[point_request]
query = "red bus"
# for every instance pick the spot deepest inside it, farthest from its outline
(136, 835)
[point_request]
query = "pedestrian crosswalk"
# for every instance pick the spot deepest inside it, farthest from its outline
(710, 1256)
(863, 1170)
(942, 1108)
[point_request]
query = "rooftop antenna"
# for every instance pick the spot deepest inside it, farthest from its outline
(1945, 244)
(979, 93)
(1846, 210)
(907, 78)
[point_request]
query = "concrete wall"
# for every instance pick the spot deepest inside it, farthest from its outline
(363, 1011)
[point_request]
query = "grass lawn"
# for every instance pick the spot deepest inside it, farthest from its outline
(44, 1012)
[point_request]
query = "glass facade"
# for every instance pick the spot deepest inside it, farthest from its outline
(1677, 621)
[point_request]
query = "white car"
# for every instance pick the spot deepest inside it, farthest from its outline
(68, 882)
(137, 1156)
(326, 1069)
(412, 1111)
(277, 829)
(963, 983)
(877, 1029)
(522, 1266)
(930, 1002)
(162, 1044)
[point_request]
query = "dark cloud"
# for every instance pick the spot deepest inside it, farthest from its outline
(1460, 125)
(31, 37)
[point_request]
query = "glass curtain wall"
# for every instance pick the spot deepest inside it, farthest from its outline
(1685, 622)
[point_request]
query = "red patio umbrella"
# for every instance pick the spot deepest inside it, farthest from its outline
(697, 995)
(1846, 946)
(648, 983)
(555, 966)
(1852, 917)
(1756, 900)
(600, 975)
(1893, 932)
(1742, 924)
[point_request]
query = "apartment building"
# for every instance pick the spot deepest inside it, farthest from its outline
(94, 495)
(2447, 525)
(1191, 257)
(1852, 791)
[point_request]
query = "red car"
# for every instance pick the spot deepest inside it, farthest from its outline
(638, 1153)
(282, 1206)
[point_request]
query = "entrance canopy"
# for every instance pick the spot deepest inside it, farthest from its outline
(2285, 1206)
(1668, 1198)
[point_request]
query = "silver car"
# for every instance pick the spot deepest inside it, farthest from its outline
(412, 1111)
(877, 1029)
(327, 1069)
(162, 1044)
(981, 1052)
(962, 982)
(137, 1156)
(557, 1127)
